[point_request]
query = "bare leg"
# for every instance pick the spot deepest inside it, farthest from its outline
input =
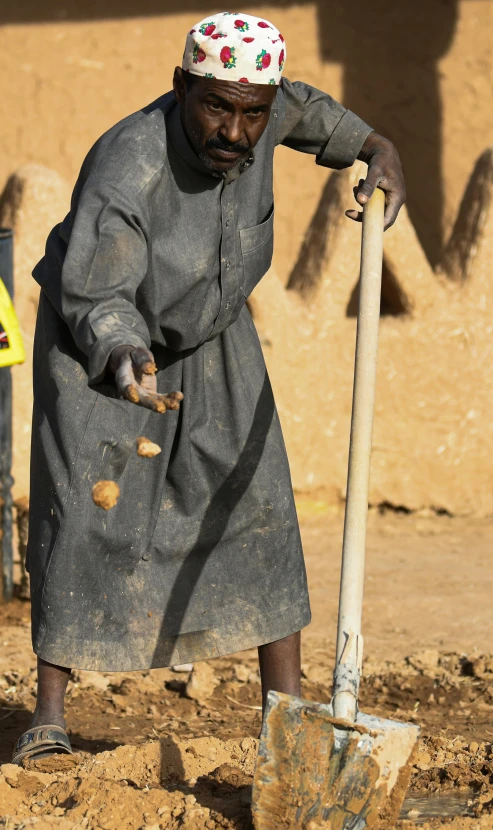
(52, 684)
(280, 666)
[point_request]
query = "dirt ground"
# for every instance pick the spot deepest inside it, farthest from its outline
(153, 756)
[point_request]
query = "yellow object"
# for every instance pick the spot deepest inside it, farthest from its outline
(11, 345)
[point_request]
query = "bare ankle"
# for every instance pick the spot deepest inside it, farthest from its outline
(43, 717)
(52, 685)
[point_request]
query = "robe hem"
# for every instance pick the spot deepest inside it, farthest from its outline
(192, 647)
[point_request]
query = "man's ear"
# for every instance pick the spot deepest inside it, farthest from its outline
(179, 85)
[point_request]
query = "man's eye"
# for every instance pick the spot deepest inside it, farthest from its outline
(213, 105)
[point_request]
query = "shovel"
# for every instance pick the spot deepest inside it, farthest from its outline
(329, 765)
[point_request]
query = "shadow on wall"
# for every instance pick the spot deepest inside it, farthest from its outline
(391, 77)
(392, 80)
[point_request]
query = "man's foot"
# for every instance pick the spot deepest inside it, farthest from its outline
(42, 742)
(46, 735)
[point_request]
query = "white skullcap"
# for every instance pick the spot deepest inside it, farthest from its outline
(235, 47)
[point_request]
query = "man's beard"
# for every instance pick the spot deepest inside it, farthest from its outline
(218, 143)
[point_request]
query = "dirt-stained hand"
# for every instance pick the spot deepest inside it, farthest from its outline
(135, 377)
(385, 172)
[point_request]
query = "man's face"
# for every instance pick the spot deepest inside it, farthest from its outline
(222, 119)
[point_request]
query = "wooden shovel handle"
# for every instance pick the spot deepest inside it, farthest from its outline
(349, 640)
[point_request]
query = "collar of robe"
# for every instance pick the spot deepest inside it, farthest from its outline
(184, 149)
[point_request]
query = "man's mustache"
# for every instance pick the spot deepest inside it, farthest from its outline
(220, 144)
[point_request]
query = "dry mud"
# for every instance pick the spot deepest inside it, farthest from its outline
(160, 751)
(169, 761)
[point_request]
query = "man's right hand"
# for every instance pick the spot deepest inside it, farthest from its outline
(135, 377)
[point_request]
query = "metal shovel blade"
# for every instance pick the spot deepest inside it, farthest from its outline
(314, 771)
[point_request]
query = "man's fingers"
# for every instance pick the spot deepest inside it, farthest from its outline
(148, 382)
(130, 389)
(143, 361)
(356, 215)
(366, 189)
(130, 366)
(124, 375)
(131, 393)
(172, 399)
(357, 187)
(151, 400)
(393, 205)
(139, 386)
(384, 171)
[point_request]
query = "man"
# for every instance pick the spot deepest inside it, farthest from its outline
(143, 307)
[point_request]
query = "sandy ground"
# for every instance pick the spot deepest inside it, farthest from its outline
(153, 757)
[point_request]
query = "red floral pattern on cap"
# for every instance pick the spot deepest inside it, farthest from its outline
(263, 60)
(227, 56)
(198, 54)
(207, 29)
(242, 25)
(219, 47)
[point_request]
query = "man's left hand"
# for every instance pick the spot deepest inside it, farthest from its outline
(385, 172)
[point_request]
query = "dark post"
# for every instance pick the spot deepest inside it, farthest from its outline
(6, 480)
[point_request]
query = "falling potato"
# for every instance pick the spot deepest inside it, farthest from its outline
(105, 494)
(146, 448)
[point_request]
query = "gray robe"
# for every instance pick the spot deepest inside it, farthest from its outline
(201, 556)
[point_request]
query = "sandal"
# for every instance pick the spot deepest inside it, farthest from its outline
(42, 742)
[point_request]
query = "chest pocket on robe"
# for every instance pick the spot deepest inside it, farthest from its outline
(257, 246)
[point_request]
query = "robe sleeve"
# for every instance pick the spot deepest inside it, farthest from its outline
(310, 121)
(105, 258)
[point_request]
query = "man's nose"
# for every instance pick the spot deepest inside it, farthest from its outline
(233, 130)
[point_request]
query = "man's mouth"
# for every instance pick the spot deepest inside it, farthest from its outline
(221, 152)
(225, 154)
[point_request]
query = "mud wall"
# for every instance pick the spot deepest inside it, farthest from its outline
(421, 73)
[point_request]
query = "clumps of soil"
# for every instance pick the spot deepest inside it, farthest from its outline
(163, 784)
(450, 696)
(201, 683)
(443, 765)
(164, 750)
(446, 693)
(105, 494)
(146, 448)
